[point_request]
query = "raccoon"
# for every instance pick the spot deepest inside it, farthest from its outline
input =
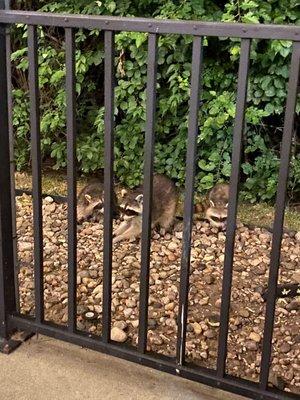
(215, 206)
(90, 201)
(164, 202)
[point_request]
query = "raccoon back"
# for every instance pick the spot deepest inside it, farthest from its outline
(94, 189)
(219, 194)
(164, 195)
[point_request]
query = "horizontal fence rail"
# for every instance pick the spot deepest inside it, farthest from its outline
(10, 319)
(254, 31)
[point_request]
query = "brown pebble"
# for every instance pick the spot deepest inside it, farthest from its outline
(251, 345)
(209, 279)
(285, 348)
(244, 313)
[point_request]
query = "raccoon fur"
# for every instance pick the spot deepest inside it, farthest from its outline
(90, 201)
(164, 202)
(215, 206)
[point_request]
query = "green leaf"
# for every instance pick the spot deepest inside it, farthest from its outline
(111, 6)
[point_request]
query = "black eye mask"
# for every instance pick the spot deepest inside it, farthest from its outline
(98, 206)
(219, 219)
(129, 212)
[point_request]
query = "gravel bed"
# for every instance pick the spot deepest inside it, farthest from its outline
(251, 263)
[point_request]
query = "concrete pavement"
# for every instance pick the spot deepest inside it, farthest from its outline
(47, 369)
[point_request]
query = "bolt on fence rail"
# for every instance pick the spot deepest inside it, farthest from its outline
(10, 319)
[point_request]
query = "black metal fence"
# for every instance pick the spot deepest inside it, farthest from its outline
(10, 319)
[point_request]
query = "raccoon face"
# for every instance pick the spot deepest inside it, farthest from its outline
(86, 208)
(131, 204)
(217, 215)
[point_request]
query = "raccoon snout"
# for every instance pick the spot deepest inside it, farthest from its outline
(223, 227)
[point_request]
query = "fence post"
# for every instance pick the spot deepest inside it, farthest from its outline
(7, 283)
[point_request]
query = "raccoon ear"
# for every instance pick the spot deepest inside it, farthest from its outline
(139, 198)
(226, 205)
(88, 198)
(211, 203)
(123, 192)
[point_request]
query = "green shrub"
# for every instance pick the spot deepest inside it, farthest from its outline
(269, 71)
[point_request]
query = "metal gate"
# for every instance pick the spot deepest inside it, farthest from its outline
(10, 320)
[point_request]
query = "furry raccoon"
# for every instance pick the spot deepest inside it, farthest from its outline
(215, 206)
(164, 204)
(90, 201)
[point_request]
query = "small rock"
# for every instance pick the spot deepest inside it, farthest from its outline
(204, 355)
(276, 380)
(172, 246)
(65, 318)
(197, 328)
(244, 313)
(214, 320)
(238, 267)
(293, 305)
(80, 326)
(130, 303)
(255, 337)
(127, 312)
(135, 323)
(51, 208)
(171, 257)
(98, 309)
(285, 348)
(151, 323)
(208, 257)
(170, 306)
(83, 274)
(209, 334)
(98, 289)
(260, 290)
(296, 277)
(118, 335)
(251, 345)
(297, 236)
(204, 301)
(121, 325)
(201, 266)
(48, 199)
(209, 279)
(156, 340)
(25, 246)
(218, 303)
(260, 270)
(297, 338)
(255, 262)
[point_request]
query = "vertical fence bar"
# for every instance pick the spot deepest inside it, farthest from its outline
(147, 191)
(71, 177)
(12, 158)
(108, 181)
(239, 124)
(197, 62)
(36, 171)
(7, 283)
(279, 213)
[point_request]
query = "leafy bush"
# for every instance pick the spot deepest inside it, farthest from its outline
(269, 71)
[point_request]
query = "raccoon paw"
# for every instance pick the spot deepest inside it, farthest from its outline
(162, 231)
